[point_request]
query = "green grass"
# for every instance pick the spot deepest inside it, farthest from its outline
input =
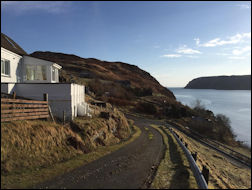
(31, 177)
(174, 170)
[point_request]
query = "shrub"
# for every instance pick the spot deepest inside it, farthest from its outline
(176, 111)
(225, 131)
(142, 91)
(223, 120)
(119, 101)
(202, 127)
(198, 106)
(97, 87)
(147, 108)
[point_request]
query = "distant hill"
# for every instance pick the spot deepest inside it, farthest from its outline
(234, 82)
(80, 70)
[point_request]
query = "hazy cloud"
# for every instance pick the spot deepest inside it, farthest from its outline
(222, 54)
(236, 57)
(241, 50)
(244, 6)
(238, 38)
(20, 7)
(192, 56)
(197, 41)
(171, 55)
(186, 50)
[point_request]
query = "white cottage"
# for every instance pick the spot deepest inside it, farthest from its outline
(32, 77)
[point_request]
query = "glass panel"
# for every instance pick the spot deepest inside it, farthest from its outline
(44, 73)
(53, 74)
(2, 66)
(56, 75)
(30, 74)
(36, 72)
(7, 67)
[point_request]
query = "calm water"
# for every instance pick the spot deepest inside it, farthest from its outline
(235, 104)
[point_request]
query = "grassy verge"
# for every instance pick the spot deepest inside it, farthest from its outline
(29, 178)
(223, 173)
(174, 170)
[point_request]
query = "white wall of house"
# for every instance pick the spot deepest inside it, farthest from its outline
(62, 97)
(78, 96)
(15, 66)
(49, 66)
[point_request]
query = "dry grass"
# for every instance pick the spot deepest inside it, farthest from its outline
(243, 150)
(174, 170)
(223, 173)
(69, 157)
(27, 147)
(29, 144)
(110, 130)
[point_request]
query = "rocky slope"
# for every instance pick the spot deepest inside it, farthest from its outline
(80, 70)
(242, 82)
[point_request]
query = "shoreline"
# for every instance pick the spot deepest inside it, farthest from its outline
(237, 119)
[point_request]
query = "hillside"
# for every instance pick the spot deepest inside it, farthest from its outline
(242, 82)
(116, 74)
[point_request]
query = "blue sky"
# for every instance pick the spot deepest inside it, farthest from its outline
(173, 41)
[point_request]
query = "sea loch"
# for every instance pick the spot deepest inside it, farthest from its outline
(235, 104)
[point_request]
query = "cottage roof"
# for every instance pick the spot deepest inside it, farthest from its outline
(9, 44)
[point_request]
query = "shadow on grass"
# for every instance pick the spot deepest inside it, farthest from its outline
(180, 180)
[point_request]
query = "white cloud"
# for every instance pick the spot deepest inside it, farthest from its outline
(183, 51)
(156, 46)
(171, 55)
(25, 6)
(186, 50)
(241, 51)
(238, 38)
(211, 43)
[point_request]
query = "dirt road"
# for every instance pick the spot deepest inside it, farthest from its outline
(132, 166)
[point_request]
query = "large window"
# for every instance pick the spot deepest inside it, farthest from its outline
(5, 67)
(53, 74)
(35, 72)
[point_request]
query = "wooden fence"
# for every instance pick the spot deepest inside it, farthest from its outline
(18, 109)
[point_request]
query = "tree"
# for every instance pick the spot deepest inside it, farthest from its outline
(198, 106)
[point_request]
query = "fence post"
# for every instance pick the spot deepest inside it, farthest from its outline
(50, 112)
(205, 173)
(45, 97)
(194, 155)
(14, 95)
(186, 145)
